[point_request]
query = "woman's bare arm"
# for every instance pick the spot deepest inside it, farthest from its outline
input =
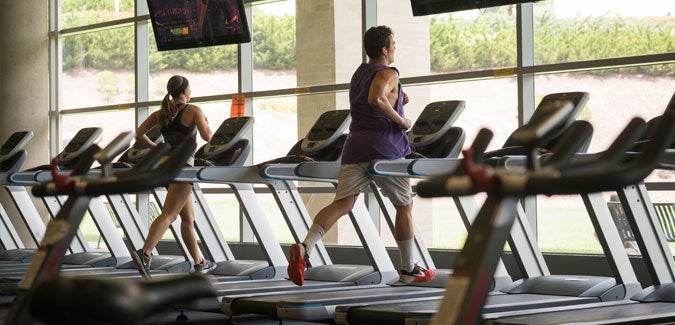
(202, 123)
(142, 129)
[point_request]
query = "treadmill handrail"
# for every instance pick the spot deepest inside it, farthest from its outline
(129, 184)
(596, 175)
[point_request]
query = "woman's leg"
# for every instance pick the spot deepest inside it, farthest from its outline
(187, 230)
(176, 198)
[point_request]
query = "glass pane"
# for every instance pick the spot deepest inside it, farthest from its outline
(348, 42)
(77, 13)
(225, 209)
(92, 234)
(275, 130)
(601, 29)
(438, 220)
(564, 226)
(275, 217)
(124, 121)
(98, 68)
(498, 111)
(665, 198)
(448, 230)
(210, 70)
(616, 96)
(216, 113)
(461, 41)
(273, 40)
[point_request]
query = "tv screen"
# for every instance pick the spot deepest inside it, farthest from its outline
(430, 7)
(180, 24)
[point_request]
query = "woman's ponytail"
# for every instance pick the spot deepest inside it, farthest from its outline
(175, 88)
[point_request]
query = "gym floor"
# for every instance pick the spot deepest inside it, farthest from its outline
(197, 317)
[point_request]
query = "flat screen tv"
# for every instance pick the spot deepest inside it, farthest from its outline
(430, 7)
(181, 24)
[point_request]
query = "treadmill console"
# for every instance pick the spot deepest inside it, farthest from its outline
(228, 134)
(79, 143)
(114, 148)
(15, 143)
(330, 126)
(571, 104)
(671, 104)
(138, 150)
(551, 101)
(434, 121)
(12, 152)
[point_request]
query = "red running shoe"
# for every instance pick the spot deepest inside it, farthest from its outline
(297, 264)
(418, 274)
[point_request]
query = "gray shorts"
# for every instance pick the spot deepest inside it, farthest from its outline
(354, 178)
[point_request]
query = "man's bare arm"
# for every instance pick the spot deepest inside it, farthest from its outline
(384, 82)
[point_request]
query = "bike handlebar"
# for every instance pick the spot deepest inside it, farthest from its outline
(569, 144)
(64, 300)
(603, 172)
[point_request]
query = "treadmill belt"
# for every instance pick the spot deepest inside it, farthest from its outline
(273, 285)
(267, 304)
(497, 302)
(632, 313)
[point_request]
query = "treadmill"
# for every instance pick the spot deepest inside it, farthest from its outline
(321, 305)
(80, 252)
(433, 136)
(530, 257)
(226, 146)
(61, 230)
(464, 301)
(94, 263)
(654, 304)
(538, 288)
(123, 210)
(229, 148)
(323, 143)
(12, 157)
(16, 261)
(126, 212)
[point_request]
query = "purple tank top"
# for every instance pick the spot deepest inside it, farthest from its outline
(371, 134)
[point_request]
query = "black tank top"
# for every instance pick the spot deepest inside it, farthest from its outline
(175, 132)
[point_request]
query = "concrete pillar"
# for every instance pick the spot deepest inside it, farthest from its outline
(24, 78)
(315, 65)
(315, 54)
(24, 71)
(412, 49)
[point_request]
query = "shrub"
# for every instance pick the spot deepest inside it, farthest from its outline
(108, 81)
(489, 41)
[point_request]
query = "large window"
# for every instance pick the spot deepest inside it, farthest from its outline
(76, 13)
(576, 30)
(211, 70)
(616, 96)
(274, 45)
(303, 54)
(98, 68)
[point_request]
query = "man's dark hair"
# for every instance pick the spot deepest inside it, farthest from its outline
(375, 39)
